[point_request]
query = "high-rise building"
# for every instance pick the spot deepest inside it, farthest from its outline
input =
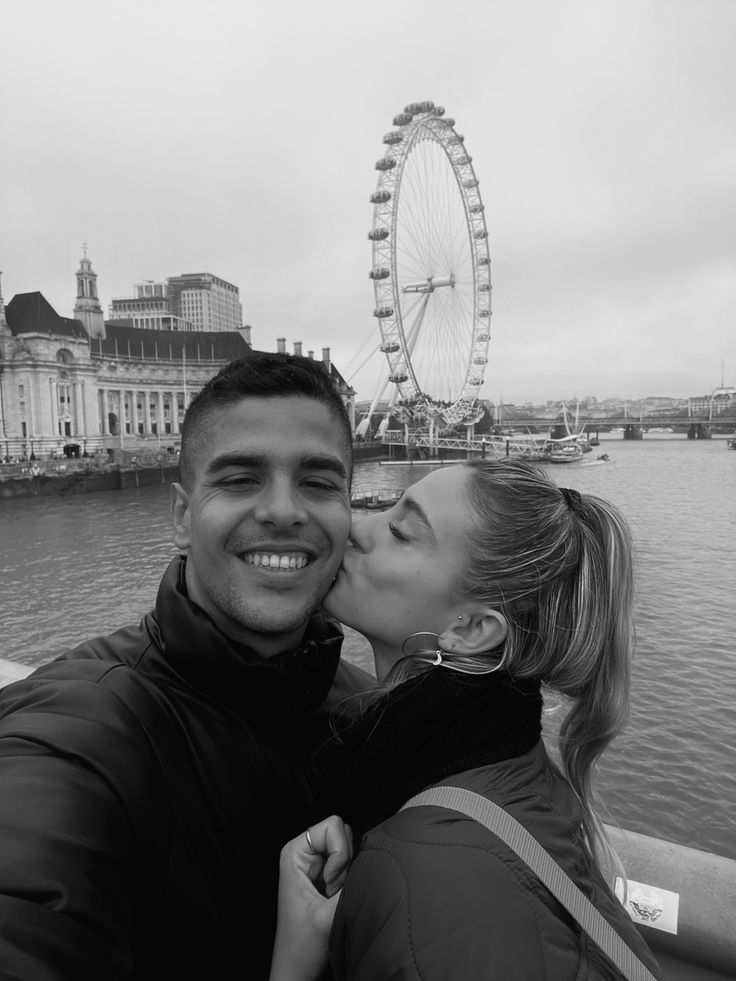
(206, 301)
(193, 301)
(148, 309)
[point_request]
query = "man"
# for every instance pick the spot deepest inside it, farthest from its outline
(149, 778)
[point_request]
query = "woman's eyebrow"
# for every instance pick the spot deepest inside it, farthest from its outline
(418, 511)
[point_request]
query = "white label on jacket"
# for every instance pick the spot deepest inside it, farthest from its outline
(650, 905)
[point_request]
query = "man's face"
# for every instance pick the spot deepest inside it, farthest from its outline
(266, 517)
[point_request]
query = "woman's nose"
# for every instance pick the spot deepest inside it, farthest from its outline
(360, 533)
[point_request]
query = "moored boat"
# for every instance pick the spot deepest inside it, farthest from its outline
(562, 451)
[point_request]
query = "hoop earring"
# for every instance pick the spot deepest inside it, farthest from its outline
(423, 644)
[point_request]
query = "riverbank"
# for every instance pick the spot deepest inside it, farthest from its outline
(60, 478)
(147, 468)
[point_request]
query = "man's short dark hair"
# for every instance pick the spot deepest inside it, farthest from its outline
(261, 375)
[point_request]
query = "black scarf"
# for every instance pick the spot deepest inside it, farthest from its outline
(421, 732)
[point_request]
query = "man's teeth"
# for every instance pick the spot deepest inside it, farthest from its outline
(272, 560)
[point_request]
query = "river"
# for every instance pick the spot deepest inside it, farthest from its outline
(72, 567)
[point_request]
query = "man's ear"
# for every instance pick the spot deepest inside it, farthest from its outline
(180, 515)
(475, 632)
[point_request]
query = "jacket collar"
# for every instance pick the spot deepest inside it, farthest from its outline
(420, 733)
(283, 689)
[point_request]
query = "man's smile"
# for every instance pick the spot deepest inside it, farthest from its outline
(281, 561)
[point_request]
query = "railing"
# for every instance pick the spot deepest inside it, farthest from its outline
(490, 445)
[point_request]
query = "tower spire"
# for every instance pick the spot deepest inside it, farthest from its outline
(87, 307)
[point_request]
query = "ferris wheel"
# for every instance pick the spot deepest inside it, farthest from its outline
(431, 265)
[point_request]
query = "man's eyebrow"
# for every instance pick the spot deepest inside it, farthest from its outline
(311, 461)
(416, 509)
(225, 460)
(323, 462)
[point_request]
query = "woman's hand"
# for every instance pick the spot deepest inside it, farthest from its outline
(312, 871)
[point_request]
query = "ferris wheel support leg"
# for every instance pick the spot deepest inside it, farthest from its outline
(365, 423)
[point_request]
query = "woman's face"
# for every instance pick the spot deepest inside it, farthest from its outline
(400, 570)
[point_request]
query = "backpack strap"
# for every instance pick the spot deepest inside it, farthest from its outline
(526, 846)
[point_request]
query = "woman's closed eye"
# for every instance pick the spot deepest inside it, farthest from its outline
(396, 533)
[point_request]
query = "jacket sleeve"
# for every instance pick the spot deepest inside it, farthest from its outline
(444, 913)
(72, 763)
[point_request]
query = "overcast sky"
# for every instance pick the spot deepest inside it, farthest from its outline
(240, 139)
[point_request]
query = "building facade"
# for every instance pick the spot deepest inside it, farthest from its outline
(205, 301)
(193, 301)
(148, 309)
(75, 386)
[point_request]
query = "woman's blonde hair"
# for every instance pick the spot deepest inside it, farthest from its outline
(559, 566)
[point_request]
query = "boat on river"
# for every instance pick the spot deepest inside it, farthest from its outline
(375, 500)
(566, 450)
(599, 461)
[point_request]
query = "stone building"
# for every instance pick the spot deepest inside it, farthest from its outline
(82, 386)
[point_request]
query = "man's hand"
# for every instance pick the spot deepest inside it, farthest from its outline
(312, 871)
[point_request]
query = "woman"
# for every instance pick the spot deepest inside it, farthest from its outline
(483, 585)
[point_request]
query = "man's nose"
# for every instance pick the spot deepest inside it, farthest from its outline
(281, 505)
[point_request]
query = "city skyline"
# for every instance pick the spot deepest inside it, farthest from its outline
(244, 143)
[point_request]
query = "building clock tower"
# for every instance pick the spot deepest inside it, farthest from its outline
(87, 308)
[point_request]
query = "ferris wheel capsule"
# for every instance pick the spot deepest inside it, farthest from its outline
(416, 108)
(430, 261)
